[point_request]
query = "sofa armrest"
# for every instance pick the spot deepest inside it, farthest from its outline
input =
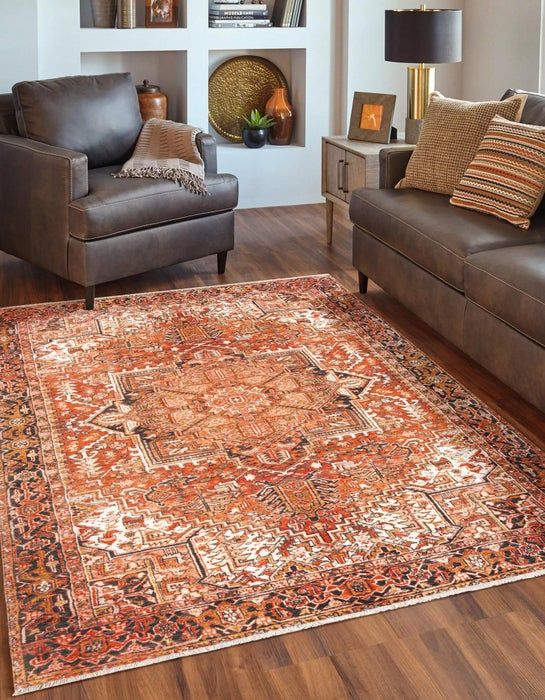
(206, 144)
(393, 163)
(37, 182)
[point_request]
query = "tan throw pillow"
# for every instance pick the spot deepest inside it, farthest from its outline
(507, 175)
(451, 134)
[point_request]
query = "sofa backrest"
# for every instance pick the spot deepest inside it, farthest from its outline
(8, 121)
(534, 109)
(94, 114)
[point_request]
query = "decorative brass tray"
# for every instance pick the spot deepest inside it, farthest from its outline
(236, 87)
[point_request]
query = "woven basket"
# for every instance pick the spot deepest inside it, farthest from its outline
(104, 12)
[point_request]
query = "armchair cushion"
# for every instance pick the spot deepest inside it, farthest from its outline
(96, 115)
(114, 206)
(8, 121)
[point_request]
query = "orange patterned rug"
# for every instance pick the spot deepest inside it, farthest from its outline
(188, 470)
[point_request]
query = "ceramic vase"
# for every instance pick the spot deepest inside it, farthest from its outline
(104, 12)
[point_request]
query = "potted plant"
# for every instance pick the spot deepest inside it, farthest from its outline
(256, 131)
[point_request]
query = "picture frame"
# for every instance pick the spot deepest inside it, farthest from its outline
(372, 117)
(162, 14)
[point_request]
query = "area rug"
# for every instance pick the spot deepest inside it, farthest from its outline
(189, 470)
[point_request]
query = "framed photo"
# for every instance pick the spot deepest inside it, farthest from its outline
(162, 13)
(372, 116)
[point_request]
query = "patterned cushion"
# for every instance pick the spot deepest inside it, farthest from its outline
(507, 175)
(451, 134)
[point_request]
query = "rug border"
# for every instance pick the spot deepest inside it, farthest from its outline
(174, 290)
(280, 632)
(315, 623)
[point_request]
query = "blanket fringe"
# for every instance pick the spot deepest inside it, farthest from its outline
(190, 181)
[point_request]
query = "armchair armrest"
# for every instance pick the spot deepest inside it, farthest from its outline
(206, 144)
(393, 163)
(37, 182)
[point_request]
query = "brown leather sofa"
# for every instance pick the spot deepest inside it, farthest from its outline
(60, 207)
(477, 280)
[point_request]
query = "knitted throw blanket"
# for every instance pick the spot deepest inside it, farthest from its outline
(167, 150)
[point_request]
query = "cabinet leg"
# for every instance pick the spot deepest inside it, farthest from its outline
(363, 280)
(90, 298)
(329, 221)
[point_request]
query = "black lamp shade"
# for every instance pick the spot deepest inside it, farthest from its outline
(424, 36)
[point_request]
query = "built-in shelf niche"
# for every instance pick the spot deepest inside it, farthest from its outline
(292, 63)
(168, 69)
(86, 15)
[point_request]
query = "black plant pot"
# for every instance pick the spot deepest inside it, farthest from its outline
(255, 138)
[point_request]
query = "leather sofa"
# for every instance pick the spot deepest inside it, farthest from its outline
(60, 207)
(477, 280)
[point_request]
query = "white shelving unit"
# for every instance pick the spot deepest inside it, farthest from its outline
(181, 60)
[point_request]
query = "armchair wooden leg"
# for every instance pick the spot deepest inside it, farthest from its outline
(222, 261)
(363, 280)
(90, 298)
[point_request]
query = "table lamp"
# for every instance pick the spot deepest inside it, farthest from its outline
(422, 36)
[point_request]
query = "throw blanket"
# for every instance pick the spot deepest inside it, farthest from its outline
(167, 150)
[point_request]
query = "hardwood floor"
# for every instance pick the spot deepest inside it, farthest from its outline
(488, 644)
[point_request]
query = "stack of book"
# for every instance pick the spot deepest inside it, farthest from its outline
(234, 13)
(287, 13)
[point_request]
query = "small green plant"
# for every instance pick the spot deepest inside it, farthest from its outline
(256, 120)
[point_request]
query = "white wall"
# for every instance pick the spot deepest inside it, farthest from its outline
(502, 47)
(18, 42)
(366, 69)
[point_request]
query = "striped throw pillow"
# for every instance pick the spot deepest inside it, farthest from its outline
(507, 176)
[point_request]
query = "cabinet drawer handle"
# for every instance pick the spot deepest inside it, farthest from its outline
(340, 175)
(345, 178)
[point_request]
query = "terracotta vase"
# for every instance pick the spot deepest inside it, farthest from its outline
(279, 108)
(104, 12)
(153, 103)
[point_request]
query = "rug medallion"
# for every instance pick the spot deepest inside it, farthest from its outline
(187, 470)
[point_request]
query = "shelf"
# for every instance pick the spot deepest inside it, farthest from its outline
(265, 37)
(142, 39)
(165, 68)
(293, 64)
(230, 147)
(86, 15)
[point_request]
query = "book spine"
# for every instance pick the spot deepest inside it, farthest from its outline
(219, 14)
(258, 7)
(286, 20)
(235, 24)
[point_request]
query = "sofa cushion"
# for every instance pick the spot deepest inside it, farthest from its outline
(114, 206)
(94, 114)
(534, 109)
(510, 284)
(427, 230)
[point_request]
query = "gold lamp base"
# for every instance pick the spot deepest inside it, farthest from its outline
(420, 85)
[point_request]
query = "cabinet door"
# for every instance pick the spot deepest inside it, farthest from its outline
(335, 160)
(354, 173)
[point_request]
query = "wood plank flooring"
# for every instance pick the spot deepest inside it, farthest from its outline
(488, 644)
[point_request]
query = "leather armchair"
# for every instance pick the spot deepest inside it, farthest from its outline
(60, 207)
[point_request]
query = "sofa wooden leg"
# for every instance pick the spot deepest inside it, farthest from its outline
(90, 298)
(363, 280)
(222, 261)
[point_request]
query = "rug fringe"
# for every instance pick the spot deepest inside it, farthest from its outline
(287, 630)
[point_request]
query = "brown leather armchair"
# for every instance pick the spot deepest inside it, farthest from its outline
(60, 207)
